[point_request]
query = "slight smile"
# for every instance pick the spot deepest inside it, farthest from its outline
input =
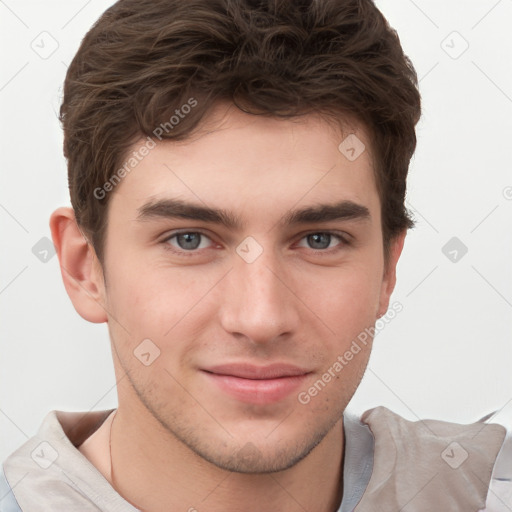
(257, 384)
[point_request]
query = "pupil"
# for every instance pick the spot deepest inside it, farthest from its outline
(320, 240)
(188, 240)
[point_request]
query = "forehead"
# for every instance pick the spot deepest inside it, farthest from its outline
(247, 162)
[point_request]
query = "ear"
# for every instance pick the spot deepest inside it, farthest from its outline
(389, 277)
(81, 271)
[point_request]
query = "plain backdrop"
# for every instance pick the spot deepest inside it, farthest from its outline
(446, 355)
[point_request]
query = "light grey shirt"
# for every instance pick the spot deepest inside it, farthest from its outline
(48, 472)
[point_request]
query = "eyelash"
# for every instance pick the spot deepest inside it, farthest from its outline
(344, 242)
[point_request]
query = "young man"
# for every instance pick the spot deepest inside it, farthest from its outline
(237, 172)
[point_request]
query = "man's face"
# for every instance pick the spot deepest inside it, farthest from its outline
(246, 317)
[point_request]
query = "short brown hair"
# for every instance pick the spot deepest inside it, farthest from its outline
(145, 59)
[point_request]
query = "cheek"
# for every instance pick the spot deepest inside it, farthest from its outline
(349, 298)
(159, 303)
(143, 292)
(350, 313)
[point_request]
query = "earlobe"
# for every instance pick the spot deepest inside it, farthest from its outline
(80, 270)
(389, 278)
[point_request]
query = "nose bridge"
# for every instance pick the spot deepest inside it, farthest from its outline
(258, 304)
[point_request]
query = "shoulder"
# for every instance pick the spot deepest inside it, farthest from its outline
(8, 501)
(432, 464)
(48, 470)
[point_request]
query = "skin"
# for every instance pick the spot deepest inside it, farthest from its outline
(180, 442)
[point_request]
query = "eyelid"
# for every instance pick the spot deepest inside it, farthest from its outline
(344, 239)
(177, 250)
(182, 231)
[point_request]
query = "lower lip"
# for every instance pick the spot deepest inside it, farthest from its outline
(264, 391)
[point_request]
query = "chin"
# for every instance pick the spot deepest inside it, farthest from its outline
(246, 455)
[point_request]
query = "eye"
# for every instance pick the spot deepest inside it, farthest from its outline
(187, 241)
(322, 240)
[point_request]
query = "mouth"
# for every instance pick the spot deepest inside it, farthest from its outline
(257, 384)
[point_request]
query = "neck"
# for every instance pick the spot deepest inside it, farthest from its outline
(155, 472)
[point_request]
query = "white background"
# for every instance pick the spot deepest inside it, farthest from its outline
(447, 355)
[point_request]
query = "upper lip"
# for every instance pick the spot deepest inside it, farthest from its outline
(250, 371)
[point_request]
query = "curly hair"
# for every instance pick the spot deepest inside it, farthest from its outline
(144, 59)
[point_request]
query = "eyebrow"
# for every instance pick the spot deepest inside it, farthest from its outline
(178, 209)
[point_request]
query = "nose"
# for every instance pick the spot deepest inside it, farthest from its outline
(258, 302)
